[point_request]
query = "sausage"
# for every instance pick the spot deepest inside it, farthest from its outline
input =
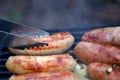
(99, 71)
(64, 75)
(109, 35)
(89, 52)
(57, 43)
(28, 64)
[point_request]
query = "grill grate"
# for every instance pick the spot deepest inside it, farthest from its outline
(77, 33)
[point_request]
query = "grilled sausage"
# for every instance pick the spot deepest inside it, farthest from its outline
(103, 35)
(102, 71)
(28, 64)
(93, 52)
(64, 75)
(57, 43)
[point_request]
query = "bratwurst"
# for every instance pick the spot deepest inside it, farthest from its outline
(102, 71)
(57, 43)
(108, 35)
(63, 75)
(28, 64)
(93, 52)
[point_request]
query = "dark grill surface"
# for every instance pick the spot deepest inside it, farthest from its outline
(77, 33)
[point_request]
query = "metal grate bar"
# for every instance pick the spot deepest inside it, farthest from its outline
(77, 33)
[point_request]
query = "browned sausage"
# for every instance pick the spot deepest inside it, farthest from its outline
(27, 64)
(57, 43)
(101, 71)
(103, 35)
(91, 52)
(64, 75)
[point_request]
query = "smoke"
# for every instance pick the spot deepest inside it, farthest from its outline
(58, 13)
(49, 14)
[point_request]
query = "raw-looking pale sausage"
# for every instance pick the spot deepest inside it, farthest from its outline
(28, 64)
(102, 71)
(109, 35)
(93, 52)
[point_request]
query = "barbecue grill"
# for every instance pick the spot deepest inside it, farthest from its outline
(4, 54)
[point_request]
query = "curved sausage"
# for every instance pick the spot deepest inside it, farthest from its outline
(64, 75)
(108, 35)
(93, 52)
(98, 71)
(57, 43)
(28, 64)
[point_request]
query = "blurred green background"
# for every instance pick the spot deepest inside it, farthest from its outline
(55, 14)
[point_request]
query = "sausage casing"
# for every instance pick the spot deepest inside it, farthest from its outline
(64, 75)
(93, 52)
(109, 35)
(28, 64)
(98, 71)
(57, 43)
